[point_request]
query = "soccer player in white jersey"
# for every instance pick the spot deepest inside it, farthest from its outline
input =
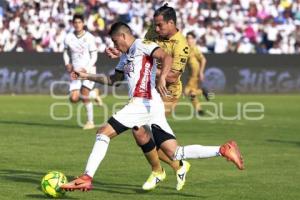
(81, 54)
(137, 66)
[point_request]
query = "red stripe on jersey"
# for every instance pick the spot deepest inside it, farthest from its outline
(143, 86)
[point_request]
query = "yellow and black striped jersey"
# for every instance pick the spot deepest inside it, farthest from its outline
(178, 48)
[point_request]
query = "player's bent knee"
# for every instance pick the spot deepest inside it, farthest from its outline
(143, 139)
(107, 130)
(101, 129)
(147, 147)
(140, 135)
(169, 148)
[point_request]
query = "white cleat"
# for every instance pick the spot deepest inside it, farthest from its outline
(89, 125)
(154, 179)
(181, 174)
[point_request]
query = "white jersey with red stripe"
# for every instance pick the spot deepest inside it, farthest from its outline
(139, 68)
(146, 106)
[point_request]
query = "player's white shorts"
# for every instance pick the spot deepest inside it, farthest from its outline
(77, 84)
(139, 112)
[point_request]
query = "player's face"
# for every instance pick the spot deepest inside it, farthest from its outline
(162, 27)
(190, 40)
(119, 42)
(78, 25)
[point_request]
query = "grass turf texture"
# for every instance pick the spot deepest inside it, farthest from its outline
(32, 144)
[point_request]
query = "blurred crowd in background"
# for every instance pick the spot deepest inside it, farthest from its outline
(221, 26)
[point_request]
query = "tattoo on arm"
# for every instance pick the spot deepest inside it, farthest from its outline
(99, 78)
(106, 80)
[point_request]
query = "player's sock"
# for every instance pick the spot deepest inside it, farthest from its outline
(90, 111)
(196, 151)
(97, 154)
(92, 94)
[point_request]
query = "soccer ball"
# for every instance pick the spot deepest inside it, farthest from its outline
(51, 183)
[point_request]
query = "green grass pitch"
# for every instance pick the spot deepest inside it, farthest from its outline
(31, 144)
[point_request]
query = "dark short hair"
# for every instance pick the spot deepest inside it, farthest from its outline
(78, 16)
(117, 27)
(191, 33)
(167, 12)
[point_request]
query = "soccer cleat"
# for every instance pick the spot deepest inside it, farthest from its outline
(83, 183)
(232, 153)
(98, 99)
(154, 179)
(89, 125)
(181, 174)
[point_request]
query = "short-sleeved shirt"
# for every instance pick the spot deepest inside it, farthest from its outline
(139, 69)
(80, 49)
(178, 48)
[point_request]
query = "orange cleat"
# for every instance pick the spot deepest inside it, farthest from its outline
(83, 183)
(232, 153)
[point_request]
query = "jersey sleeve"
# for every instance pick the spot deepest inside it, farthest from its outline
(148, 47)
(121, 64)
(180, 55)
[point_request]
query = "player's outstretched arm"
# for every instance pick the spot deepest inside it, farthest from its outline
(100, 78)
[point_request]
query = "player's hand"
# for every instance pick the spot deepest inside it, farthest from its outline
(113, 52)
(69, 68)
(201, 77)
(161, 86)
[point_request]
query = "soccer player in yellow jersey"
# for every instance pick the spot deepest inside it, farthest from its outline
(165, 33)
(196, 65)
(169, 38)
